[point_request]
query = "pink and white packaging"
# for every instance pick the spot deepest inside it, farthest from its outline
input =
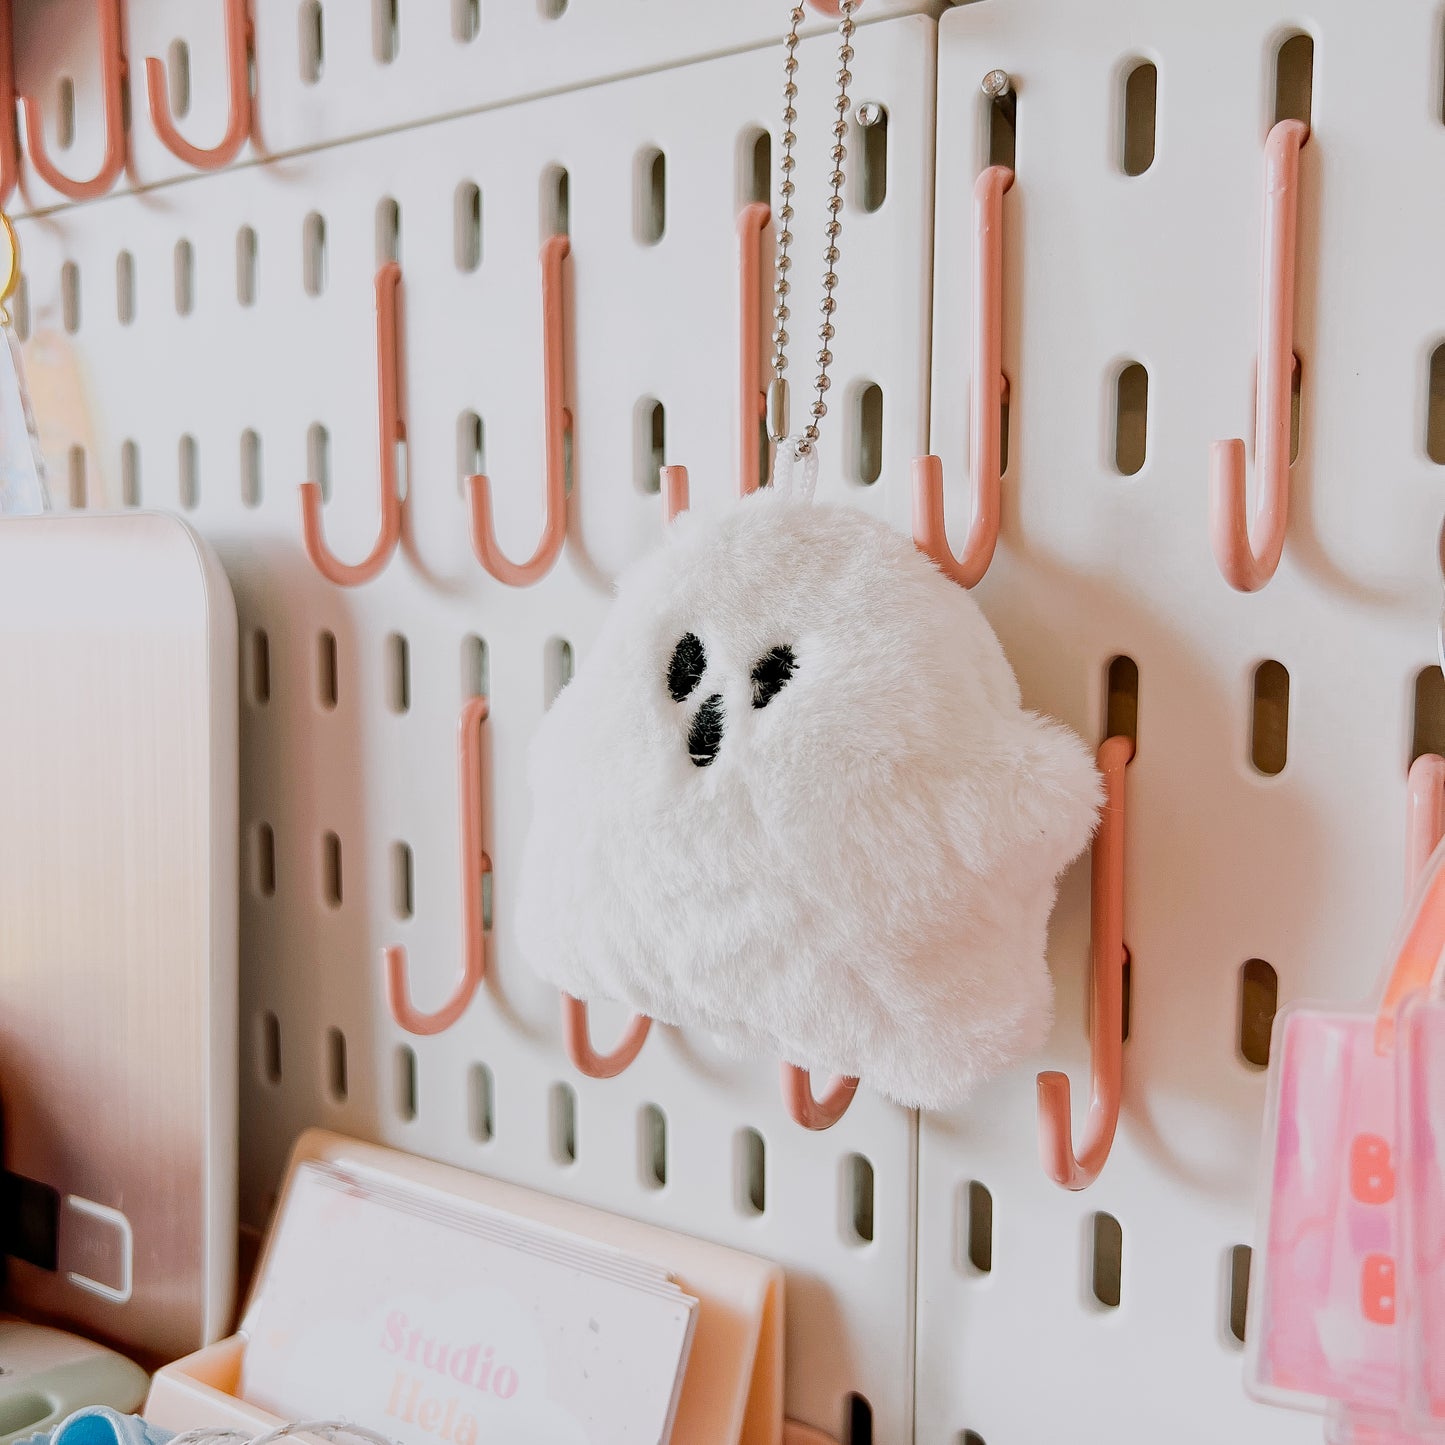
(1347, 1309)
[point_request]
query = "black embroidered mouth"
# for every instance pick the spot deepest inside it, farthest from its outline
(705, 736)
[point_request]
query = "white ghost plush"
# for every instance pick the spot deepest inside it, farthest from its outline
(791, 799)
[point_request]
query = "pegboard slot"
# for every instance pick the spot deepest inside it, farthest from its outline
(258, 658)
(385, 30)
(1240, 1259)
(406, 1084)
(403, 883)
(466, 20)
(557, 669)
(480, 1107)
(70, 297)
(263, 861)
(398, 673)
(471, 449)
(184, 265)
(251, 468)
(649, 442)
(246, 266)
(328, 681)
(1002, 114)
(858, 1174)
(1429, 734)
(312, 41)
(750, 1168)
(1131, 418)
(975, 1227)
(476, 667)
(556, 202)
(868, 434)
(1294, 67)
(1258, 1002)
(331, 870)
(755, 166)
(129, 474)
(1141, 99)
(860, 1420)
(562, 1123)
(649, 210)
(1269, 736)
(270, 1042)
(1106, 1260)
(388, 231)
(467, 226)
(125, 288)
(318, 458)
(1121, 707)
(178, 78)
(872, 146)
(313, 254)
(188, 465)
(65, 113)
(336, 1080)
(652, 1146)
(75, 476)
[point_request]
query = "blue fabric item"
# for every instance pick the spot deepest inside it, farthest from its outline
(100, 1425)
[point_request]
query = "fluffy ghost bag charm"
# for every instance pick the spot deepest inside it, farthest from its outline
(791, 798)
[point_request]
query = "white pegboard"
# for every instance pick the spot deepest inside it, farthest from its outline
(1223, 864)
(655, 321)
(332, 70)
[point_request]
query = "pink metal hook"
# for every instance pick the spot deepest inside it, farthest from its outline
(391, 430)
(752, 394)
(239, 39)
(986, 387)
(1106, 1020)
(557, 421)
(9, 131)
(676, 493)
(578, 1042)
(1424, 827)
(112, 75)
(476, 865)
(811, 1112)
(575, 1035)
(1246, 561)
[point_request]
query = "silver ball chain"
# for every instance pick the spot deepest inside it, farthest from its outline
(778, 387)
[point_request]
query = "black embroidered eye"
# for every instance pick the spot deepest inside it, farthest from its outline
(688, 664)
(705, 735)
(771, 672)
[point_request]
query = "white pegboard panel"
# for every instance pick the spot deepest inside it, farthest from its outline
(649, 321)
(1223, 863)
(331, 70)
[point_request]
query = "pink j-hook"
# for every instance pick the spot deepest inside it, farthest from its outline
(576, 1038)
(239, 33)
(1106, 1015)
(805, 1108)
(9, 131)
(1424, 827)
(112, 75)
(476, 865)
(987, 387)
(752, 393)
(556, 422)
(578, 1042)
(1246, 561)
(391, 430)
